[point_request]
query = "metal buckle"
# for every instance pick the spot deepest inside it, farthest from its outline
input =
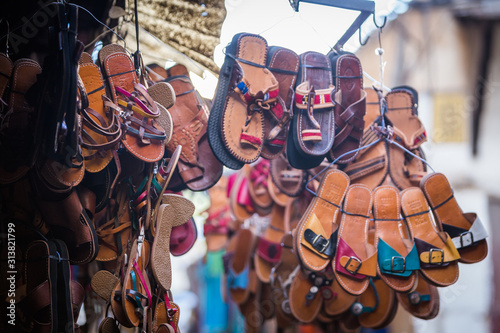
(462, 235)
(398, 270)
(325, 245)
(436, 250)
(353, 272)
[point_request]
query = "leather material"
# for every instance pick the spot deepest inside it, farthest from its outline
(119, 72)
(238, 261)
(427, 236)
(6, 66)
(404, 169)
(289, 180)
(173, 212)
(257, 175)
(321, 244)
(302, 309)
(18, 123)
(217, 223)
(371, 166)
(268, 247)
(71, 223)
(240, 204)
(183, 238)
(383, 303)
(466, 230)
(321, 218)
(423, 302)
(316, 71)
(356, 257)
(214, 129)
(350, 106)
(398, 258)
(242, 120)
(198, 167)
(284, 65)
(92, 80)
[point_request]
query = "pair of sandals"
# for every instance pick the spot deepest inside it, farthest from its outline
(393, 121)
(252, 105)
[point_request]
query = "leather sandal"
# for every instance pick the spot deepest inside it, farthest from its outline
(199, 169)
(284, 64)
(18, 120)
(258, 189)
(398, 260)
(237, 262)
(356, 257)
(101, 131)
(143, 136)
(287, 179)
(376, 307)
(371, 166)
(350, 106)
(6, 66)
(312, 130)
(268, 246)
(437, 253)
(316, 234)
(240, 203)
(216, 226)
(182, 237)
(281, 278)
(176, 211)
(304, 296)
(409, 132)
(136, 292)
(423, 302)
(465, 229)
(254, 90)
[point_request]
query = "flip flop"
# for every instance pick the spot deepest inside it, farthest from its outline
(437, 252)
(409, 132)
(316, 234)
(423, 302)
(336, 300)
(101, 130)
(284, 64)
(350, 106)
(198, 167)
(312, 130)
(176, 211)
(466, 230)
(398, 260)
(371, 166)
(356, 258)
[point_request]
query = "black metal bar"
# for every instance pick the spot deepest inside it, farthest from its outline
(366, 7)
(361, 5)
(351, 30)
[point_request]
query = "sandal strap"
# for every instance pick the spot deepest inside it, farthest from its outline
(353, 265)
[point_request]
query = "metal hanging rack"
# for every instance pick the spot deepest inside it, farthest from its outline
(365, 7)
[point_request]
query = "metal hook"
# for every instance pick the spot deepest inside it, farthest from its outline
(375, 22)
(360, 40)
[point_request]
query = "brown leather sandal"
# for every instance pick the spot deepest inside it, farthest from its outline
(350, 106)
(409, 132)
(465, 229)
(284, 64)
(423, 302)
(101, 131)
(437, 252)
(316, 234)
(356, 257)
(199, 169)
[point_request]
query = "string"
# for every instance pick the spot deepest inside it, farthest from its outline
(376, 82)
(277, 23)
